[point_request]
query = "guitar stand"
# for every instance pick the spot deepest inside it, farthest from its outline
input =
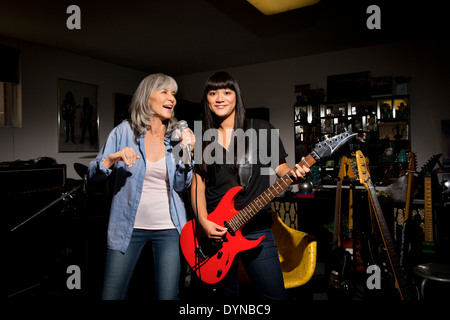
(343, 271)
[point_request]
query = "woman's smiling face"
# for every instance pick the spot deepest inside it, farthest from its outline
(162, 102)
(222, 102)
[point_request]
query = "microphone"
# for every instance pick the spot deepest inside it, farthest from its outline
(181, 126)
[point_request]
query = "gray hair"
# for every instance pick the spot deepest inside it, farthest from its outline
(140, 113)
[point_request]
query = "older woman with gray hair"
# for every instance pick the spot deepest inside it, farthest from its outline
(146, 205)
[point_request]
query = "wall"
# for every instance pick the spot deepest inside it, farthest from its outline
(41, 67)
(268, 85)
(271, 85)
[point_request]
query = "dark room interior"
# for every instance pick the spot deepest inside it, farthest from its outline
(371, 221)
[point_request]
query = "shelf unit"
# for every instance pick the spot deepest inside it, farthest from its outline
(382, 124)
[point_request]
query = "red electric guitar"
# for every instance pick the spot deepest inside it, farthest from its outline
(211, 260)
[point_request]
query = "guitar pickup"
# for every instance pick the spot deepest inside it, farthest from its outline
(207, 248)
(201, 254)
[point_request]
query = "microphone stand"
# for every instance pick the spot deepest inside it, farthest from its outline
(65, 196)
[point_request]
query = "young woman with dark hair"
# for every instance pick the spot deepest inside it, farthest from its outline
(224, 113)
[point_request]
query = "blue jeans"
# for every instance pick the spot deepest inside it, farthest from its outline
(166, 256)
(262, 265)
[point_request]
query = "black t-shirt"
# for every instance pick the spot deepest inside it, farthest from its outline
(226, 176)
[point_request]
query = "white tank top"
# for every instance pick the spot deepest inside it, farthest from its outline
(153, 212)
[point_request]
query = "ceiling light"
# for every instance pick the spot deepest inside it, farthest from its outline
(269, 7)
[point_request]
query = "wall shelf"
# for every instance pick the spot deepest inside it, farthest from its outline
(382, 124)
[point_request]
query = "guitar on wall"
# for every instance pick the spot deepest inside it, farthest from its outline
(406, 290)
(211, 260)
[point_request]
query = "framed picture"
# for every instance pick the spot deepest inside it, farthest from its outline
(77, 116)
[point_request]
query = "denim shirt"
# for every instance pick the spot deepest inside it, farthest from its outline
(129, 183)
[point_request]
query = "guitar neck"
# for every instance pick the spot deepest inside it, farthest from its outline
(384, 228)
(337, 216)
(246, 214)
(408, 195)
(411, 170)
(428, 220)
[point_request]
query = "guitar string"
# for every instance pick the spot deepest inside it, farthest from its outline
(248, 212)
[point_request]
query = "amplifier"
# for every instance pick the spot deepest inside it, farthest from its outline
(28, 188)
(25, 177)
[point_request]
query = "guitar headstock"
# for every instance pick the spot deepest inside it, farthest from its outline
(412, 162)
(363, 169)
(427, 168)
(348, 168)
(327, 147)
(344, 165)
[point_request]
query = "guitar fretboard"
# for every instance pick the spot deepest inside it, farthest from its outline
(246, 214)
(428, 228)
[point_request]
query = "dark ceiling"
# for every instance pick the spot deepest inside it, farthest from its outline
(188, 36)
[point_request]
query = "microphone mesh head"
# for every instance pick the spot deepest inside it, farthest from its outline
(182, 125)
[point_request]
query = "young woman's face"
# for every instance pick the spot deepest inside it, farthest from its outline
(222, 102)
(162, 102)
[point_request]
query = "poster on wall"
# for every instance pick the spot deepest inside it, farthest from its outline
(77, 116)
